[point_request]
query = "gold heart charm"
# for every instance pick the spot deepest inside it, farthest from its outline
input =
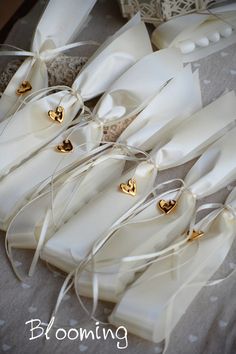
(166, 206)
(195, 235)
(66, 146)
(130, 187)
(57, 115)
(24, 87)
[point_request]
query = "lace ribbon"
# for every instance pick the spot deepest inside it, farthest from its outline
(173, 250)
(127, 155)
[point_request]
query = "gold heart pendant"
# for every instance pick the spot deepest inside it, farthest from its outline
(130, 187)
(24, 87)
(66, 146)
(195, 235)
(166, 206)
(57, 115)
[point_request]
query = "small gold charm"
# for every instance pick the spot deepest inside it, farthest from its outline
(130, 187)
(167, 206)
(195, 235)
(24, 87)
(66, 146)
(57, 115)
